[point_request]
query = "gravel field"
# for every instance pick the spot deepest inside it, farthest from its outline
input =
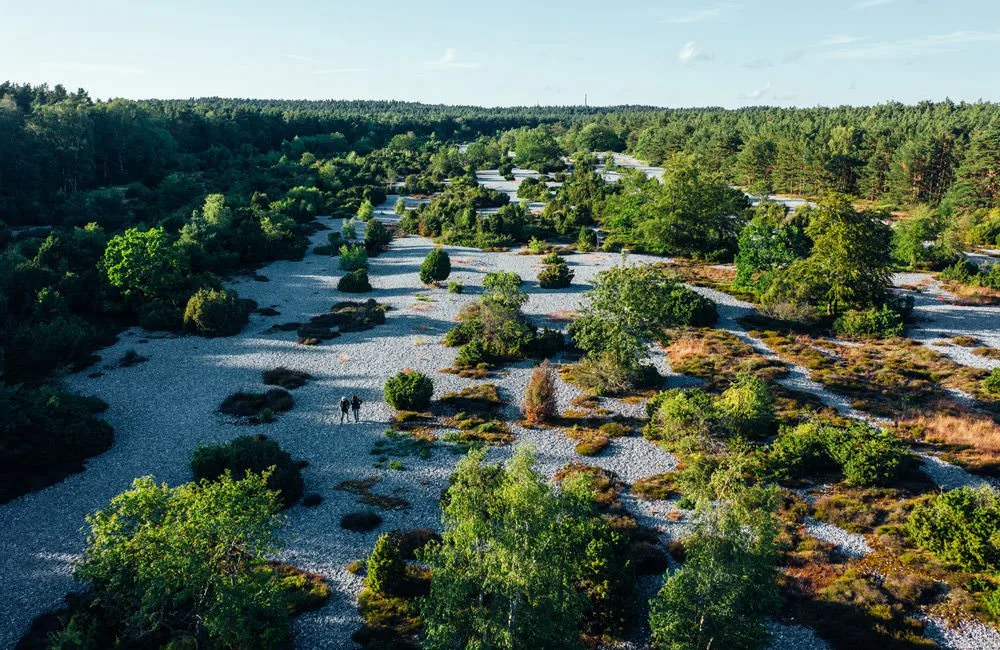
(164, 408)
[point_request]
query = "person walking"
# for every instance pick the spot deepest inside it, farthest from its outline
(344, 405)
(355, 406)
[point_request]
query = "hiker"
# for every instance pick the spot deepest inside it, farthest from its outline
(355, 406)
(344, 405)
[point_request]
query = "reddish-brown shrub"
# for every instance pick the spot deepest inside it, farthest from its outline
(540, 395)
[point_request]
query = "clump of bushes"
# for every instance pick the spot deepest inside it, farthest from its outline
(876, 322)
(866, 456)
(455, 287)
(409, 391)
(211, 312)
(436, 267)
(386, 568)
(353, 258)
(540, 395)
(587, 241)
(257, 407)
(355, 282)
(556, 275)
(256, 454)
(286, 377)
(361, 522)
(991, 383)
(960, 526)
(377, 237)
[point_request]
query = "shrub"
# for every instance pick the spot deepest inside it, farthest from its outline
(436, 266)
(991, 383)
(587, 241)
(355, 282)
(252, 405)
(161, 316)
(648, 559)
(377, 237)
(555, 276)
(553, 258)
(312, 500)
(215, 313)
(256, 454)
(348, 230)
(747, 407)
(353, 258)
(866, 455)
(960, 526)
(536, 246)
(286, 378)
(361, 522)
(881, 323)
(677, 414)
(409, 391)
(455, 287)
(386, 568)
(540, 395)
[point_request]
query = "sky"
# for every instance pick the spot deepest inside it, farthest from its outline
(674, 53)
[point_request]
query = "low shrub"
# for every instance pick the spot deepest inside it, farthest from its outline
(254, 405)
(587, 240)
(880, 323)
(353, 258)
(409, 391)
(377, 237)
(648, 558)
(131, 358)
(436, 267)
(361, 522)
(386, 568)
(286, 377)
(960, 526)
(540, 403)
(747, 406)
(355, 282)
(555, 276)
(455, 287)
(257, 454)
(161, 316)
(991, 383)
(655, 487)
(536, 246)
(312, 500)
(215, 313)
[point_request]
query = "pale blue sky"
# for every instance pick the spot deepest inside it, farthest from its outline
(662, 52)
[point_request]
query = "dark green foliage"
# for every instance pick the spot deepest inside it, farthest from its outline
(991, 383)
(409, 391)
(256, 454)
(961, 526)
(257, 407)
(880, 323)
(587, 241)
(355, 282)
(361, 521)
(533, 189)
(353, 258)
(377, 237)
(866, 456)
(286, 377)
(160, 315)
(45, 435)
(555, 276)
(215, 313)
(436, 267)
(386, 568)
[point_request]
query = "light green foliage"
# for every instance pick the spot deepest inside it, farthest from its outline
(349, 230)
(747, 406)
(300, 203)
(991, 383)
(630, 305)
(400, 208)
(436, 266)
(365, 210)
(386, 568)
(537, 149)
(555, 276)
(409, 391)
(212, 312)
(961, 526)
(513, 552)
(190, 559)
(536, 246)
(587, 241)
(143, 264)
(598, 137)
(767, 245)
(910, 237)
(875, 322)
(353, 258)
(722, 595)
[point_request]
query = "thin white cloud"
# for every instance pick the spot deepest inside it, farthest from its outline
(757, 93)
(691, 54)
(839, 40)
(700, 15)
(912, 47)
(450, 60)
(868, 4)
(98, 68)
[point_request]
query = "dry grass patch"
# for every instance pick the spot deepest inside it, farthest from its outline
(656, 487)
(717, 355)
(363, 489)
(589, 442)
(970, 296)
(969, 439)
(965, 341)
(719, 278)
(987, 353)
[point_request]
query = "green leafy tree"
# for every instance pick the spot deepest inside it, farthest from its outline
(766, 246)
(366, 210)
(386, 569)
(538, 149)
(143, 264)
(977, 181)
(436, 267)
(190, 559)
(513, 551)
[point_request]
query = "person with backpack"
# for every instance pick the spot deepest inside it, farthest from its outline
(344, 405)
(355, 406)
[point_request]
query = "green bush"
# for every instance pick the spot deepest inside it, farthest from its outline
(215, 313)
(355, 282)
(960, 526)
(409, 391)
(747, 407)
(536, 246)
(377, 237)
(257, 454)
(677, 414)
(555, 276)
(161, 316)
(991, 383)
(386, 568)
(455, 287)
(435, 267)
(353, 258)
(881, 323)
(587, 241)
(348, 230)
